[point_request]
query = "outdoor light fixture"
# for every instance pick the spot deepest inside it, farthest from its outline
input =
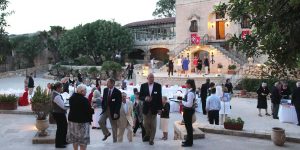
(212, 58)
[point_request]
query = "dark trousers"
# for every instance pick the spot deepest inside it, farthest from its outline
(298, 113)
(61, 131)
(275, 108)
(130, 75)
(170, 71)
(137, 125)
(203, 100)
(187, 117)
(213, 117)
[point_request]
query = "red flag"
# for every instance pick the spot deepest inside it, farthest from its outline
(244, 33)
(195, 39)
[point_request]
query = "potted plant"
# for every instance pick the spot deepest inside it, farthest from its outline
(40, 105)
(231, 69)
(220, 66)
(234, 124)
(8, 102)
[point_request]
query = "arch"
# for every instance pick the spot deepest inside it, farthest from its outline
(159, 53)
(136, 54)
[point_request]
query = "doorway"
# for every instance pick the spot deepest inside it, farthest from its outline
(220, 30)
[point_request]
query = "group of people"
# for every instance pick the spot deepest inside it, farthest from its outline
(182, 65)
(279, 91)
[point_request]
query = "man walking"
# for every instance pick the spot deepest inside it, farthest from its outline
(111, 104)
(150, 94)
(125, 121)
(204, 89)
(275, 99)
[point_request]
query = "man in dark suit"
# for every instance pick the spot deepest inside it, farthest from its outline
(276, 99)
(170, 67)
(204, 89)
(30, 84)
(111, 105)
(150, 94)
(296, 100)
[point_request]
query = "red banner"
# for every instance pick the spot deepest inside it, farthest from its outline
(244, 33)
(195, 39)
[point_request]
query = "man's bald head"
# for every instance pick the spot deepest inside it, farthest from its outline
(150, 78)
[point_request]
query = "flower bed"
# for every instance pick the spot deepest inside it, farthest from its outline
(234, 124)
(8, 102)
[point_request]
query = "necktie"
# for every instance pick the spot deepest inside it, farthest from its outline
(109, 96)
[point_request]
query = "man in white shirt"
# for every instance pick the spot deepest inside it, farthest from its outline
(125, 121)
(213, 106)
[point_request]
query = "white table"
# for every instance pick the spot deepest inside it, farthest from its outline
(287, 113)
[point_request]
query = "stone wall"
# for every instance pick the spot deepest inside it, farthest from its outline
(22, 72)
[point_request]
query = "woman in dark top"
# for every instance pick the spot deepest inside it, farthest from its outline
(80, 117)
(285, 91)
(164, 117)
(262, 93)
(229, 86)
(199, 65)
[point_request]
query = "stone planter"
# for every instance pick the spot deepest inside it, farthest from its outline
(42, 126)
(231, 72)
(278, 136)
(233, 126)
(8, 105)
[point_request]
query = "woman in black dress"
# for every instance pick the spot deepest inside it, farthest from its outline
(262, 92)
(199, 65)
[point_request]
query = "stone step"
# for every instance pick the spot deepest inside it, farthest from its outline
(180, 131)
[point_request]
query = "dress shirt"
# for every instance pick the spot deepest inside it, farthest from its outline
(213, 103)
(125, 107)
(190, 99)
(110, 91)
(150, 88)
(59, 101)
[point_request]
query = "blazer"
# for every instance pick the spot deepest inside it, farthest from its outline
(204, 89)
(166, 111)
(125, 117)
(114, 104)
(156, 103)
(275, 96)
(80, 109)
(296, 97)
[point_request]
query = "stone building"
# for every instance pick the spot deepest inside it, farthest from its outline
(196, 31)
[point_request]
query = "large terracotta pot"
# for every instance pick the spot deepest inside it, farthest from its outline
(8, 105)
(278, 136)
(42, 126)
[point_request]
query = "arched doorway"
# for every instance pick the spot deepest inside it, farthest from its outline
(136, 54)
(159, 54)
(201, 54)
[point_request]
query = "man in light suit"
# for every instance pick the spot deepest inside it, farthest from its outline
(150, 94)
(111, 104)
(125, 121)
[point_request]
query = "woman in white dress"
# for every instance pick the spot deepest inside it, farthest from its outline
(225, 102)
(96, 103)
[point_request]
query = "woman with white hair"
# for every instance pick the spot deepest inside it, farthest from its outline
(262, 93)
(225, 102)
(80, 116)
(96, 103)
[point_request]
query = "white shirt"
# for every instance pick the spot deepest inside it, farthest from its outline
(190, 99)
(59, 101)
(125, 106)
(150, 86)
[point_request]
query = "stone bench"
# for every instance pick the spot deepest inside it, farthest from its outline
(180, 131)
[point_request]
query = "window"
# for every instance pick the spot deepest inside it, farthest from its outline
(194, 26)
(245, 24)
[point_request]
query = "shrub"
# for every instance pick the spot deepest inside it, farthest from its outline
(251, 85)
(231, 67)
(111, 65)
(234, 121)
(8, 98)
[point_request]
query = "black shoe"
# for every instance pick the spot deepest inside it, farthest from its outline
(146, 139)
(187, 145)
(66, 143)
(151, 143)
(298, 124)
(94, 127)
(60, 146)
(106, 136)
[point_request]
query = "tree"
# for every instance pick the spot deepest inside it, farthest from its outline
(275, 33)
(165, 8)
(52, 40)
(28, 47)
(99, 40)
(5, 47)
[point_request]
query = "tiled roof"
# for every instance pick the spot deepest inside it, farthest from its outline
(151, 22)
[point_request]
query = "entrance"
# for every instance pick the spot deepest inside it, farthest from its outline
(220, 30)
